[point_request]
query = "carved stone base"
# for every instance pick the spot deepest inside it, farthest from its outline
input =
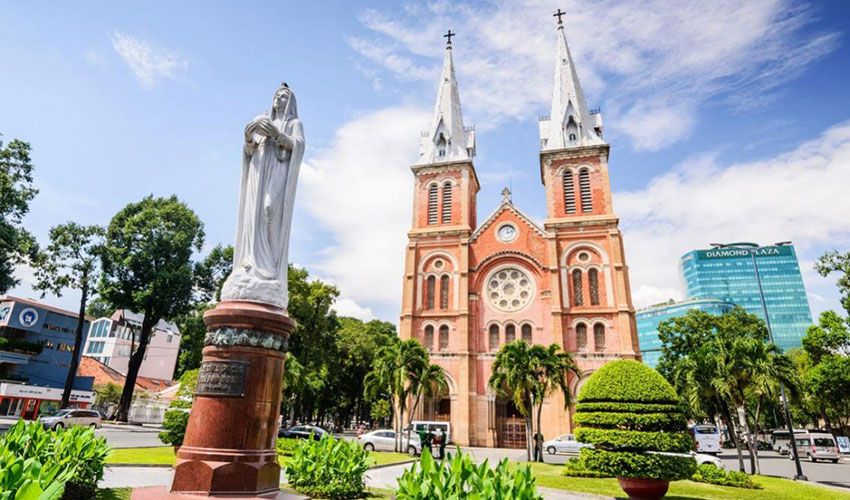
(229, 448)
(162, 493)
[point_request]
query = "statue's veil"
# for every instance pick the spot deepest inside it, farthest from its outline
(291, 110)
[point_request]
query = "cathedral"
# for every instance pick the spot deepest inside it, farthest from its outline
(470, 288)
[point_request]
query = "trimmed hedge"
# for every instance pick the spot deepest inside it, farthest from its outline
(638, 465)
(631, 407)
(621, 440)
(707, 473)
(632, 417)
(628, 381)
(575, 467)
(634, 421)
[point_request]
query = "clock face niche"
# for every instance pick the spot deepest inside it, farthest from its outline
(509, 289)
(507, 233)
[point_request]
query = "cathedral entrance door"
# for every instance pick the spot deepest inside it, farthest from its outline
(510, 425)
(438, 408)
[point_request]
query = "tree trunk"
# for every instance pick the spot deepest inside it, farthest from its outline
(749, 440)
(410, 420)
(529, 429)
(123, 412)
(78, 345)
(757, 469)
(538, 443)
(724, 411)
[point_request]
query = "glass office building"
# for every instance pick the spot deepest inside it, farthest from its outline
(650, 317)
(728, 274)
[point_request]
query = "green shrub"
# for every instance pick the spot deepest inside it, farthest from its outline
(575, 467)
(328, 468)
(175, 424)
(629, 413)
(28, 478)
(286, 446)
(75, 450)
(458, 477)
(707, 473)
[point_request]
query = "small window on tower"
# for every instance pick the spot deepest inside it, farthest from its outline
(429, 337)
(572, 137)
(432, 203)
(444, 291)
(494, 337)
(430, 285)
(510, 334)
(444, 337)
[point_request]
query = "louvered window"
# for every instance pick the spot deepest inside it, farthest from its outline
(510, 333)
(526, 334)
(494, 337)
(432, 204)
(447, 203)
(444, 337)
(444, 292)
(593, 284)
(429, 337)
(581, 337)
(569, 193)
(431, 283)
(584, 186)
(578, 296)
(599, 336)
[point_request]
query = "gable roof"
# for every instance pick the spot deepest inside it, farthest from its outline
(507, 205)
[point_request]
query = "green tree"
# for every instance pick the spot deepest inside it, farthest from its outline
(211, 272)
(147, 268)
(357, 343)
(393, 375)
(834, 262)
(681, 336)
(427, 383)
(555, 367)
(99, 308)
(514, 376)
(829, 336)
(193, 331)
(71, 260)
(107, 394)
(16, 191)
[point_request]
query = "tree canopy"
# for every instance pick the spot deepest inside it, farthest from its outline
(16, 191)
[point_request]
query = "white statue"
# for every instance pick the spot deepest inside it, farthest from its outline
(274, 146)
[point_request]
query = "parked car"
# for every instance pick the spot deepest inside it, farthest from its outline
(384, 440)
(69, 417)
(302, 432)
(564, 444)
(431, 426)
(816, 446)
(701, 458)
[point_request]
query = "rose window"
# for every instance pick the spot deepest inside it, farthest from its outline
(509, 289)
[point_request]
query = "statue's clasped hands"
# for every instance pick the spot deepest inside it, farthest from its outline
(262, 125)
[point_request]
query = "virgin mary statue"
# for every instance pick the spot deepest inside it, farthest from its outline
(274, 146)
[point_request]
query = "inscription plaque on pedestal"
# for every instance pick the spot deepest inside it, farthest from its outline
(222, 378)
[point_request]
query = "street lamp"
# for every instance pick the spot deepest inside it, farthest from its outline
(752, 249)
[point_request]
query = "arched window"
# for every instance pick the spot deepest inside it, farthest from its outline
(584, 187)
(441, 145)
(578, 296)
(599, 336)
(429, 337)
(526, 334)
(444, 337)
(572, 137)
(444, 291)
(431, 283)
(510, 333)
(581, 336)
(569, 193)
(593, 284)
(432, 204)
(447, 203)
(494, 337)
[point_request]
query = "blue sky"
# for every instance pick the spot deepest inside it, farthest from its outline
(728, 120)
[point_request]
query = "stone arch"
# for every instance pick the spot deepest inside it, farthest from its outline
(421, 275)
(605, 269)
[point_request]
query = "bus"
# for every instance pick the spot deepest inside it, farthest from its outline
(706, 438)
(781, 440)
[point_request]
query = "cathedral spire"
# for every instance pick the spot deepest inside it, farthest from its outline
(446, 139)
(570, 123)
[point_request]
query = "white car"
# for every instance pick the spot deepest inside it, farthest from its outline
(384, 440)
(564, 444)
(69, 417)
(701, 458)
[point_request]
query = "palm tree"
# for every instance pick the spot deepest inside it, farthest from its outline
(429, 382)
(515, 377)
(554, 367)
(396, 367)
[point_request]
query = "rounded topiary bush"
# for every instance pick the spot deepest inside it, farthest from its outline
(632, 417)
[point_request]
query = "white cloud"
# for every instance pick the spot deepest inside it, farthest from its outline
(360, 189)
(148, 62)
(799, 195)
(348, 307)
(651, 62)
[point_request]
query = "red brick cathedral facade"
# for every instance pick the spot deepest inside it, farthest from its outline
(470, 288)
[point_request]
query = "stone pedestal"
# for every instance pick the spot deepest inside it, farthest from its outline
(229, 448)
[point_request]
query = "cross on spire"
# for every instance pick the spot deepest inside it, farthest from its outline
(558, 15)
(506, 195)
(449, 36)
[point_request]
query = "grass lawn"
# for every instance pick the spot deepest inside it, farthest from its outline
(550, 476)
(113, 494)
(164, 455)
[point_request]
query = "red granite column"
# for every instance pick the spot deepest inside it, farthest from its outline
(229, 446)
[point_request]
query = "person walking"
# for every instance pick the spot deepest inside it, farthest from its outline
(425, 438)
(441, 439)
